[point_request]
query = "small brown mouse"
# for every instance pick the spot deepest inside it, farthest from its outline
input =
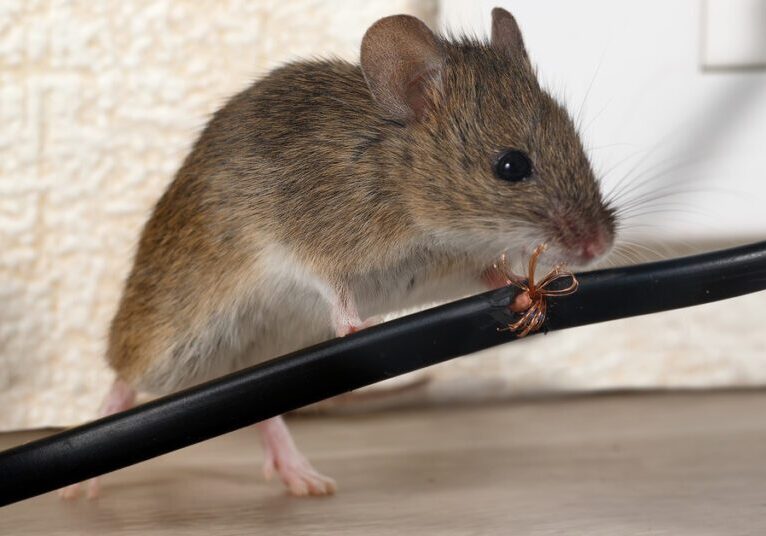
(328, 193)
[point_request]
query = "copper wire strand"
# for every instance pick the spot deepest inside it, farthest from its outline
(533, 318)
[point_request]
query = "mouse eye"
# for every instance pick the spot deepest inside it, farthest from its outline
(513, 166)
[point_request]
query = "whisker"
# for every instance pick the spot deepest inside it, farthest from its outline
(642, 180)
(660, 197)
(590, 87)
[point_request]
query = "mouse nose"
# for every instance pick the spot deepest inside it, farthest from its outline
(594, 246)
(584, 241)
(591, 250)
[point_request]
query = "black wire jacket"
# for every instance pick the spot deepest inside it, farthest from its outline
(381, 352)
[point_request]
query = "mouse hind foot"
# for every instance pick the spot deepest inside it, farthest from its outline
(73, 491)
(120, 398)
(284, 459)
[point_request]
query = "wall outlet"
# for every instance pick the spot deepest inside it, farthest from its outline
(734, 34)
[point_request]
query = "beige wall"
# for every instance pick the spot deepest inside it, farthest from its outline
(100, 99)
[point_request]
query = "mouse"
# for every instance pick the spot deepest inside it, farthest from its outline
(329, 193)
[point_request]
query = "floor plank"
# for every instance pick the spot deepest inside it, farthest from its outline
(652, 464)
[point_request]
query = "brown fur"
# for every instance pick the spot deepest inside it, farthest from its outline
(354, 186)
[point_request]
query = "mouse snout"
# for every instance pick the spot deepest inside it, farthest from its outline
(584, 245)
(593, 247)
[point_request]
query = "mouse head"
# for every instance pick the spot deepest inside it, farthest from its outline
(492, 160)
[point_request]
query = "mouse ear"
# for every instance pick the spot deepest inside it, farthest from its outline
(506, 35)
(400, 59)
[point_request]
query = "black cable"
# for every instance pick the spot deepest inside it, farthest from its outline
(372, 355)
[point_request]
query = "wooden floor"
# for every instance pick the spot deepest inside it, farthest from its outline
(677, 464)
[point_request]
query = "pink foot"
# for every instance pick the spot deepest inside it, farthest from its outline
(73, 491)
(344, 315)
(121, 397)
(284, 459)
(349, 328)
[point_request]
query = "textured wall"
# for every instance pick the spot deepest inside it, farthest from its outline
(100, 99)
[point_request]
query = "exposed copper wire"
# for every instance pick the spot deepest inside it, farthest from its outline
(531, 303)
